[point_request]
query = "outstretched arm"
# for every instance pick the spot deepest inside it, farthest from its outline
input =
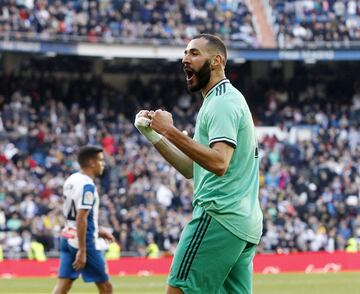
(169, 151)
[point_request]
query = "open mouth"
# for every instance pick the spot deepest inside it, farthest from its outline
(189, 74)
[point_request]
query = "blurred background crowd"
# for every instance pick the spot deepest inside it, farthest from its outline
(310, 177)
(50, 106)
(304, 23)
(126, 21)
(296, 24)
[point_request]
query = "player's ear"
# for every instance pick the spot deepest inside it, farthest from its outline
(216, 61)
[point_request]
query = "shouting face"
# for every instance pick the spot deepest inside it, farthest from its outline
(196, 63)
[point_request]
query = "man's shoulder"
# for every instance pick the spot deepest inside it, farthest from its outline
(220, 88)
(225, 96)
(78, 179)
(225, 90)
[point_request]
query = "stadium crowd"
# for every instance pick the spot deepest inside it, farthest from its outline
(127, 21)
(306, 23)
(309, 180)
(297, 24)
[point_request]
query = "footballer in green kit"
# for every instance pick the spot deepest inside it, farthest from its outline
(216, 249)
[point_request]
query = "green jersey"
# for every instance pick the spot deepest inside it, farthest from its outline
(232, 199)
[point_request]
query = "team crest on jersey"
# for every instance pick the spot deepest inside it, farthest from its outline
(88, 198)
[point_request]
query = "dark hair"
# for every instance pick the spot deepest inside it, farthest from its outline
(86, 153)
(215, 42)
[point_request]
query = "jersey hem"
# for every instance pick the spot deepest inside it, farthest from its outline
(234, 232)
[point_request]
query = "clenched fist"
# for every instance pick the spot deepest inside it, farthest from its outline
(142, 123)
(161, 121)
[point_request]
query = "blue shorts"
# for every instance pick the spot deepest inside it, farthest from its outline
(94, 271)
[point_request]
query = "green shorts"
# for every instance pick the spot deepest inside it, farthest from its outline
(209, 259)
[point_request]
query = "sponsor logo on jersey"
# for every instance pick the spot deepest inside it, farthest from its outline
(88, 198)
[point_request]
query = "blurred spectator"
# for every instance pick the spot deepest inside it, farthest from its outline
(36, 251)
(152, 249)
(113, 251)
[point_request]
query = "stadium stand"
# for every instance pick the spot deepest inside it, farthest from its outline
(126, 21)
(314, 24)
(309, 180)
(242, 23)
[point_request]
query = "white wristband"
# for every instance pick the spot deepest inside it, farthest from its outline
(153, 137)
(142, 124)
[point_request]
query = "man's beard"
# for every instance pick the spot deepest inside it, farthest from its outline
(202, 76)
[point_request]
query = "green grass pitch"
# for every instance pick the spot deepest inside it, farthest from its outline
(331, 283)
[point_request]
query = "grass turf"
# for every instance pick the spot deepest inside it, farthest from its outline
(331, 283)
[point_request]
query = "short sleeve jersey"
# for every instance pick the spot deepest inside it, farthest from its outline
(232, 199)
(80, 193)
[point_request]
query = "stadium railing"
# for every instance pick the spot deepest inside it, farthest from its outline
(236, 44)
(66, 38)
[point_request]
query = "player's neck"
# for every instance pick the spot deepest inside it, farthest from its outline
(214, 79)
(88, 172)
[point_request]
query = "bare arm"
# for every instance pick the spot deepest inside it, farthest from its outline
(175, 157)
(81, 227)
(171, 153)
(215, 159)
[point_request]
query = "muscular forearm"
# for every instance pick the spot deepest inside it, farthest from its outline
(208, 158)
(81, 226)
(175, 157)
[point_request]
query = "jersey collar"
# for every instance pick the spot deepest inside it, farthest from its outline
(208, 93)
